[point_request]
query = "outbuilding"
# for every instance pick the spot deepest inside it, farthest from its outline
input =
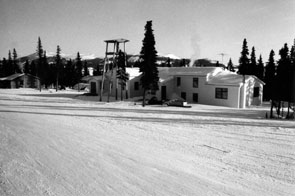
(20, 80)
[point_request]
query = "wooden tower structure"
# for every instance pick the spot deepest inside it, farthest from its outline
(110, 63)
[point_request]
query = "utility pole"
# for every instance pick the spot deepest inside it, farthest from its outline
(222, 55)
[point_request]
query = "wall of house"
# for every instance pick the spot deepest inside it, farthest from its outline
(170, 89)
(97, 85)
(209, 96)
(5, 84)
(186, 87)
(131, 85)
(30, 82)
(206, 92)
(250, 99)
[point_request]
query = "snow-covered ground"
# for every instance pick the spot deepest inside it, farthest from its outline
(65, 144)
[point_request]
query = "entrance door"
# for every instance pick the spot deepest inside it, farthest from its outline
(93, 87)
(163, 93)
(183, 95)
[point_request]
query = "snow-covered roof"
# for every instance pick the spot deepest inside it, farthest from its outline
(12, 77)
(165, 72)
(133, 72)
(229, 78)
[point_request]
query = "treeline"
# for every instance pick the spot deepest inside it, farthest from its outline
(279, 76)
(59, 74)
(11, 65)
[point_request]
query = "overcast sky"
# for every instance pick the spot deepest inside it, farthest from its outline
(200, 28)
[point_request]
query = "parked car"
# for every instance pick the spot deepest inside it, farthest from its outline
(177, 102)
(155, 101)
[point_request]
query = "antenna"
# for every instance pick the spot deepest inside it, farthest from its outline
(222, 55)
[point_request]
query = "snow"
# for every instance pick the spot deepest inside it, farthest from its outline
(63, 143)
(227, 77)
(72, 56)
(172, 56)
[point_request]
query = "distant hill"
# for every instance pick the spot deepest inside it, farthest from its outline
(132, 60)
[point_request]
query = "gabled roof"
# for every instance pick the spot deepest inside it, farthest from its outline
(14, 76)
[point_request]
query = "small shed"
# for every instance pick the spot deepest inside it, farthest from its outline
(20, 80)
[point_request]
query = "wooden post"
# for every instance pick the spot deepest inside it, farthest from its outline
(103, 73)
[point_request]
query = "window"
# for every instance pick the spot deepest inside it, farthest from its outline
(256, 92)
(195, 82)
(178, 81)
(183, 95)
(136, 86)
(195, 97)
(221, 93)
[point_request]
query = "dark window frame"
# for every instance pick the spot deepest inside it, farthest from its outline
(221, 93)
(195, 82)
(195, 97)
(183, 95)
(178, 81)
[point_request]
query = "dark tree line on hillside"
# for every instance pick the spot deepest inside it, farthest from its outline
(59, 74)
(279, 77)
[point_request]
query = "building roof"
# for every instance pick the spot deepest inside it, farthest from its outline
(133, 72)
(120, 40)
(166, 72)
(14, 76)
(229, 78)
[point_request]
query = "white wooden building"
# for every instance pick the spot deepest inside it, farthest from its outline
(204, 85)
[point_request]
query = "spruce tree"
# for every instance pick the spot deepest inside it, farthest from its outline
(182, 63)
(27, 67)
(253, 64)
(269, 79)
(10, 69)
(122, 75)
(39, 68)
(16, 68)
(292, 72)
(79, 67)
(85, 68)
(244, 59)
(230, 66)
(4, 68)
(168, 62)
(148, 68)
(47, 73)
(57, 65)
(32, 69)
(69, 74)
(283, 77)
(260, 69)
